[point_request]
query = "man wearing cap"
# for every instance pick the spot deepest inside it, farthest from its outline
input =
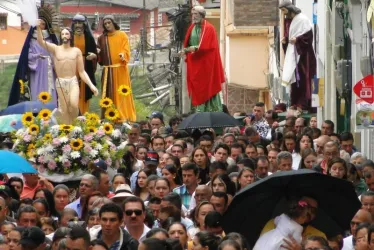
(33, 238)
(151, 163)
(204, 67)
(300, 62)
(84, 40)
(114, 55)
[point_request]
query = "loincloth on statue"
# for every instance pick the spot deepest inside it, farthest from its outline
(66, 83)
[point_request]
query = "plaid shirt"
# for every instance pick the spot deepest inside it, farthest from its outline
(184, 194)
(262, 127)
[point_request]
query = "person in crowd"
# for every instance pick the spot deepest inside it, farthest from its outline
(42, 207)
(104, 181)
(190, 174)
(308, 159)
(88, 184)
(58, 235)
(17, 183)
(162, 187)
(320, 144)
(44, 193)
(88, 205)
(354, 177)
(330, 150)
(66, 215)
(262, 167)
(327, 127)
(284, 161)
(93, 218)
(154, 244)
(170, 173)
(206, 240)
(358, 158)
(33, 238)
(220, 201)
(362, 216)
(27, 216)
(151, 180)
(246, 176)
(14, 238)
(199, 216)
(134, 216)
(173, 199)
(158, 233)
(117, 180)
(272, 157)
(229, 245)
(177, 230)
(361, 236)
(6, 227)
(223, 183)
(201, 158)
(337, 167)
(48, 225)
(31, 183)
(237, 151)
(213, 224)
(141, 189)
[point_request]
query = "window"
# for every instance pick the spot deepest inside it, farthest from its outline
(124, 24)
(3, 21)
(159, 19)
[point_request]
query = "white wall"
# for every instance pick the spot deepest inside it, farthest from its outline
(13, 19)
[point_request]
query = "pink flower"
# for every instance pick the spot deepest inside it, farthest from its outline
(87, 149)
(85, 160)
(46, 123)
(100, 132)
(52, 165)
(66, 164)
(113, 148)
(88, 138)
(303, 203)
(66, 148)
(56, 142)
(41, 159)
(27, 138)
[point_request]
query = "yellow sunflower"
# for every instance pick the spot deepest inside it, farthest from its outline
(34, 129)
(48, 137)
(76, 144)
(45, 114)
(31, 146)
(92, 129)
(27, 119)
(108, 128)
(44, 97)
(21, 86)
(66, 128)
(106, 102)
(124, 90)
(92, 118)
(111, 114)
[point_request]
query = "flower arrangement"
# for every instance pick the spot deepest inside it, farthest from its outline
(64, 149)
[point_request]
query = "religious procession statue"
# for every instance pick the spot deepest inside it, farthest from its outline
(205, 73)
(84, 40)
(299, 66)
(35, 65)
(114, 55)
(68, 62)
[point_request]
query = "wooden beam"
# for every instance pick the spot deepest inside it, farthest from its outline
(247, 31)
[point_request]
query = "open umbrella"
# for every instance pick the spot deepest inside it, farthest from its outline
(13, 163)
(209, 120)
(261, 201)
(28, 106)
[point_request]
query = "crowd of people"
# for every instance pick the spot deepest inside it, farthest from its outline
(177, 185)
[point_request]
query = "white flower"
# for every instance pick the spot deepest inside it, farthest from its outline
(93, 153)
(75, 154)
(122, 145)
(64, 139)
(106, 154)
(99, 146)
(49, 148)
(77, 130)
(116, 133)
(63, 158)
(41, 151)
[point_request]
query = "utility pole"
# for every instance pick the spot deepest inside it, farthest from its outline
(57, 5)
(144, 34)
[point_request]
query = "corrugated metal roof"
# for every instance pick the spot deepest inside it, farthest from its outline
(150, 4)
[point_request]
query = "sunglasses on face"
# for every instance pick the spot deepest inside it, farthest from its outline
(130, 212)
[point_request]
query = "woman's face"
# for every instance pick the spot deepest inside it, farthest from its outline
(41, 209)
(168, 175)
(305, 143)
(196, 244)
(14, 238)
(362, 238)
(176, 231)
(246, 178)
(5, 229)
(47, 229)
(17, 186)
(163, 160)
(170, 161)
(357, 161)
(142, 179)
(290, 145)
(91, 201)
(218, 186)
(93, 220)
(184, 160)
(309, 161)
(61, 198)
(199, 158)
(337, 170)
(118, 180)
(260, 151)
(39, 195)
(161, 189)
(204, 210)
(313, 122)
(141, 154)
(151, 187)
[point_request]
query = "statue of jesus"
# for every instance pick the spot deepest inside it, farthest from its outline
(68, 62)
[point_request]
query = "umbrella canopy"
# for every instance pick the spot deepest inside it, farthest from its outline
(209, 120)
(261, 201)
(13, 163)
(28, 106)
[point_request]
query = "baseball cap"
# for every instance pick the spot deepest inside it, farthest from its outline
(156, 114)
(5, 191)
(33, 237)
(101, 164)
(213, 219)
(152, 158)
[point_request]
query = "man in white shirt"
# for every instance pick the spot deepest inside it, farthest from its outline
(134, 216)
(360, 217)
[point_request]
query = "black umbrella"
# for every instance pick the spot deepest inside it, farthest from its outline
(261, 201)
(209, 120)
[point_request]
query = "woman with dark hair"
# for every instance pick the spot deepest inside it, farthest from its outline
(308, 159)
(141, 152)
(288, 223)
(158, 233)
(154, 244)
(229, 245)
(177, 230)
(223, 183)
(14, 238)
(170, 173)
(303, 142)
(87, 206)
(162, 187)
(199, 216)
(206, 240)
(46, 194)
(246, 176)
(141, 189)
(173, 160)
(117, 180)
(239, 239)
(42, 207)
(60, 234)
(60, 197)
(201, 158)
(337, 167)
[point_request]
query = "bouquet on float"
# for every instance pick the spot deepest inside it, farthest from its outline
(66, 149)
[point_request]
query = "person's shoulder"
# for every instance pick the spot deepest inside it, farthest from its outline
(179, 189)
(312, 231)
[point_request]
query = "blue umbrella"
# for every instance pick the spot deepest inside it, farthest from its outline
(13, 163)
(28, 106)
